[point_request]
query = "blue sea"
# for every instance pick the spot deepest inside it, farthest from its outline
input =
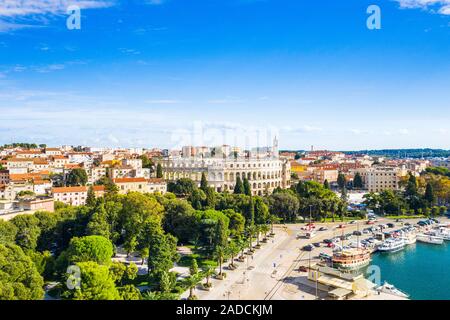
(421, 270)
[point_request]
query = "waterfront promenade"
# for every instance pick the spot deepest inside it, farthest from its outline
(272, 273)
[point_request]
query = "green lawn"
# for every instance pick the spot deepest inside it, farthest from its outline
(202, 261)
(419, 216)
(346, 219)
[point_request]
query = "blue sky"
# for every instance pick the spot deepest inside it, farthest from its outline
(168, 73)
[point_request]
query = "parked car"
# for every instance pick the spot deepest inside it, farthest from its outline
(352, 222)
(341, 226)
(303, 269)
(308, 248)
(328, 241)
(370, 222)
(357, 233)
(323, 229)
(391, 225)
(316, 244)
(330, 245)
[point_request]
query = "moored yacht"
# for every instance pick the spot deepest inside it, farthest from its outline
(389, 288)
(392, 245)
(428, 238)
(443, 233)
(409, 238)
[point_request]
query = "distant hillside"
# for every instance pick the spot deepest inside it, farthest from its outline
(397, 153)
(404, 153)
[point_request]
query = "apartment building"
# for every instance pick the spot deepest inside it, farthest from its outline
(75, 196)
(141, 185)
(378, 179)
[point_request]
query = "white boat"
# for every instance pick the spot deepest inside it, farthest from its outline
(409, 238)
(392, 245)
(427, 238)
(443, 233)
(389, 288)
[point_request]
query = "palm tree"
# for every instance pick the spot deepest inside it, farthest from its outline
(264, 229)
(209, 271)
(273, 219)
(191, 282)
(242, 245)
(233, 250)
(258, 232)
(220, 255)
(250, 232)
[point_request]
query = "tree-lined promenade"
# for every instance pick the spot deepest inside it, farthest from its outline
(220, 229)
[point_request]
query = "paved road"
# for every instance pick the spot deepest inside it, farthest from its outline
(273, 273)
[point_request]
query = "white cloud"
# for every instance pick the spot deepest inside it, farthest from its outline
(20, 14)
(163, 101)
(14, 8)
(439, 6)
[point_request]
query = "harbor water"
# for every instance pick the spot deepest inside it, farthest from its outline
(421, 270)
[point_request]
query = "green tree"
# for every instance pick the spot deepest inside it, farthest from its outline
(117, 270)
(182, 187)
(247, 188)
(181, 220)
(233, 251)
(162, 253)
(237, 222)
(111, 189)
(146, 162)
(429, 194)
(90, 198)
(284, 206)
(48, 222)
(209, 271)
(197, 198)
(159, 171)
(220, 254)
(192, 282)
(28, 231)
(8, 232)
(193, 268)
(261, 211)
(137, 208)
(357, 181)
(341, 181)
(77, 177)
(210, 198)
(90, 248)
(98, 224)
(239, 187)
(97, 283)
(129, 292)
(220, 234)
(19, 277)
(165, 283)
(204, 182)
